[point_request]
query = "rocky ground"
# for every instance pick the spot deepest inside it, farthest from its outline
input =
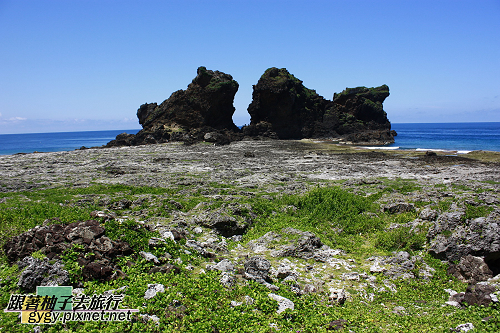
(438, 195)
(245, 164)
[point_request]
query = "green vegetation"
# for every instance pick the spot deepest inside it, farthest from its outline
(401, 239)
(472, 212)
(198, 302)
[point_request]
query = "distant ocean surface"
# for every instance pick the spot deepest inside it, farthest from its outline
(448, 136)
(461, 137)
(60, 141)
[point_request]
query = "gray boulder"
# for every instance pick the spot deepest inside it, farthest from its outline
(149, 257)
(478, 294)
(223, 223)
(453, 238)
(402, 265)
(41, 273)
(153, 289)
(304, 247)
(428, 214)
(223, 266)
(257, 269)
(283, 303)
(399, 207)
(197, 246)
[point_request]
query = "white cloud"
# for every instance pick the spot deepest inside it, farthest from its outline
(17, 118)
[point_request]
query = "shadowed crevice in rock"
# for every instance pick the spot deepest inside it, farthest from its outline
(493, 262)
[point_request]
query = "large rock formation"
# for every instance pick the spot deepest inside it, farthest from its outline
(281, 104)
(203, 111)
(453, 237)
(282, 107)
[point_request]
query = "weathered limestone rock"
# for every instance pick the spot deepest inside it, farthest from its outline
(399, 207)
(470, 269)
(478, 294)
(303, 247)
(153, 289)
(223, 266)
(338, 296)
(453, 238)
(283, 303)
(257, 269)
(41, 273)
(225, 224)
(52, 240)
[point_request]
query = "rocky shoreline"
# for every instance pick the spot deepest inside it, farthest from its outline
(245, 163)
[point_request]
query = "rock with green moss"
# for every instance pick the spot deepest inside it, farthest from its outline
(206, 106)
(282, 107)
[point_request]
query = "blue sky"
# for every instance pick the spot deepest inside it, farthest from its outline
(88, 65)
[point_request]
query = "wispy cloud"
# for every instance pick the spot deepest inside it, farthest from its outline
(29, 125)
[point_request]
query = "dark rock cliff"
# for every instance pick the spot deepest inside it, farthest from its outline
(282, 107)
(281, 104)
(206, 106)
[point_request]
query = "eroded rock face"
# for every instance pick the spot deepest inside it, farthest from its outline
(206, 106)
(360, 109)
(476, 294)
(305, 246)
(229, 220)
(453, 237)
(257, 269)
(470, 269)
(41, 273)
(282, 107)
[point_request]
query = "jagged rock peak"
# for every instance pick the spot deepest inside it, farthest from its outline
(208, 101)
(206, 106)
(282, 107)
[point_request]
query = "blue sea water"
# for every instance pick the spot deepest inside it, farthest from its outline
(446, 136)
(60, 141)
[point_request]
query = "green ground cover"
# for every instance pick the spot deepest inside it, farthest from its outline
(194, 302)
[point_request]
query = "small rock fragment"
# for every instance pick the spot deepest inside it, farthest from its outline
(337, 296)
(283, 303)
(149, 257)
(153, 289)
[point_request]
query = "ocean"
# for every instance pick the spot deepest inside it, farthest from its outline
(60, 141)
(461, 137)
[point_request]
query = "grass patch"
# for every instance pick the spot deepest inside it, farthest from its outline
(338, 217)
(472, 212)
(401, 239)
